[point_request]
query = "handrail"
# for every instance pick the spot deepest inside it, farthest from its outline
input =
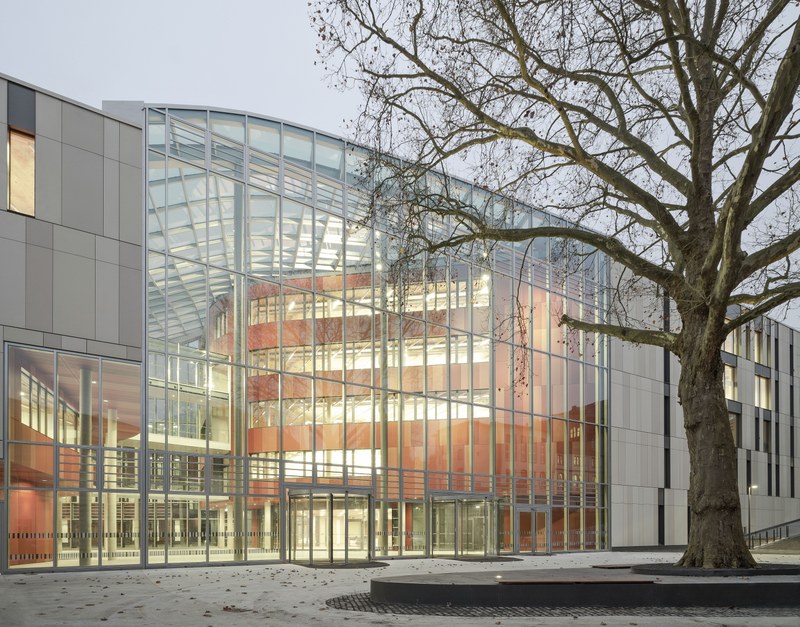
(774, 533)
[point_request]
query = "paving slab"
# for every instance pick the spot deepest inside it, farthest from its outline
(277, 595)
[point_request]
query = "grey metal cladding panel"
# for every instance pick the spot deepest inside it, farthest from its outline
(74, 242)
(12, 283)
(38, 233)
(82, 190)
(130, 204)
(48, 180)
(107, 302)
(3, 167)
(73, 295)
(130, 256)
(39, 288)
(48, 116)
(82, 128)
(111, 139)
(130, 145)
(107, 249)
(13, 226)
(130, 307)
(111, 198)
(3, 101)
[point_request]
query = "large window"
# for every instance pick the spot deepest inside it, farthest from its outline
(731, 386)
(762, 392)
(21, 172)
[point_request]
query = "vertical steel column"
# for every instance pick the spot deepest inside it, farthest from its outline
(238, 376)
(384, 399)
(84, 481)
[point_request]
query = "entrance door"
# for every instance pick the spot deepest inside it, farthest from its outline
(460, 526)
(532, 530)
(325, 527)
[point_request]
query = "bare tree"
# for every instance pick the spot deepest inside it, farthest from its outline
(665, 130)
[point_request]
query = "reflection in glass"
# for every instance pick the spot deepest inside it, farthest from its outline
(282, 355)
(21, 172)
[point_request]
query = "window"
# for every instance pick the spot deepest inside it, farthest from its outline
(731, 391)
(762, 392)
(21, 170)
(735, 421)
(21, 149)
(732, 342)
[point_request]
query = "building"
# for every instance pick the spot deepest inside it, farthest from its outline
(209, 364)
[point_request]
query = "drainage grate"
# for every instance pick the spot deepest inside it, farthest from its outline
(362, 602)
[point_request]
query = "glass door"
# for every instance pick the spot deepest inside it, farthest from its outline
(299, 528)
(472, 527)
(532, 530)
(443, 527)
(325, 527)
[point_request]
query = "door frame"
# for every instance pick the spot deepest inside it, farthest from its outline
(297, 490)
(533, 510)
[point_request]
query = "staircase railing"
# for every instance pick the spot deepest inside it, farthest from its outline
(772, 534)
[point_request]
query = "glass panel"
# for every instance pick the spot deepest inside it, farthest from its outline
(328, 241)
(525, 530)
(357, 527)
(31, 465)
(21, 172)
(263, 528)
(78, 396)
(122, 415)
(156, 201)
(219, 391)
(414, 529)
(156, 129)
(186, 219)
(194, 116)
(472, 527)
(542, 534)
(30, 528)
(265, 136)
(329, 157)
(185, 542)
(121, 529)
(443, 527)
(227, 157)
(264, 171)
(31, 405)
(187, 299)
(297, 183)
(157, 529)
(226, 223)
(298, 146)
(187, 143)
(229, 125)
(78, 515)
(298, 548)
(321, 528)
(296, 237)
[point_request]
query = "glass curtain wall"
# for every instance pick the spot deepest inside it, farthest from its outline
(281, 356)
(72, 464)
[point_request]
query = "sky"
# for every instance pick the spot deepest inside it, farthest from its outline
(252, 55)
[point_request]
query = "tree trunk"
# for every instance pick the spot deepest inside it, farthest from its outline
(716, 538)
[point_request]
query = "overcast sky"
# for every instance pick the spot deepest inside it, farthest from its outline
(254, 55)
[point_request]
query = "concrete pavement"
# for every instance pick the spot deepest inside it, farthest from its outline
(280, 594)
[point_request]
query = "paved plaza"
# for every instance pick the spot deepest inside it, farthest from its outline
(287, 594)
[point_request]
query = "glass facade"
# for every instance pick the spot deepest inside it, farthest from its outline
(73, 460)
(295, 402)
(302, 406)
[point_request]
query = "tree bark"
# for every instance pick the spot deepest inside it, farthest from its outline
(716, 538)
